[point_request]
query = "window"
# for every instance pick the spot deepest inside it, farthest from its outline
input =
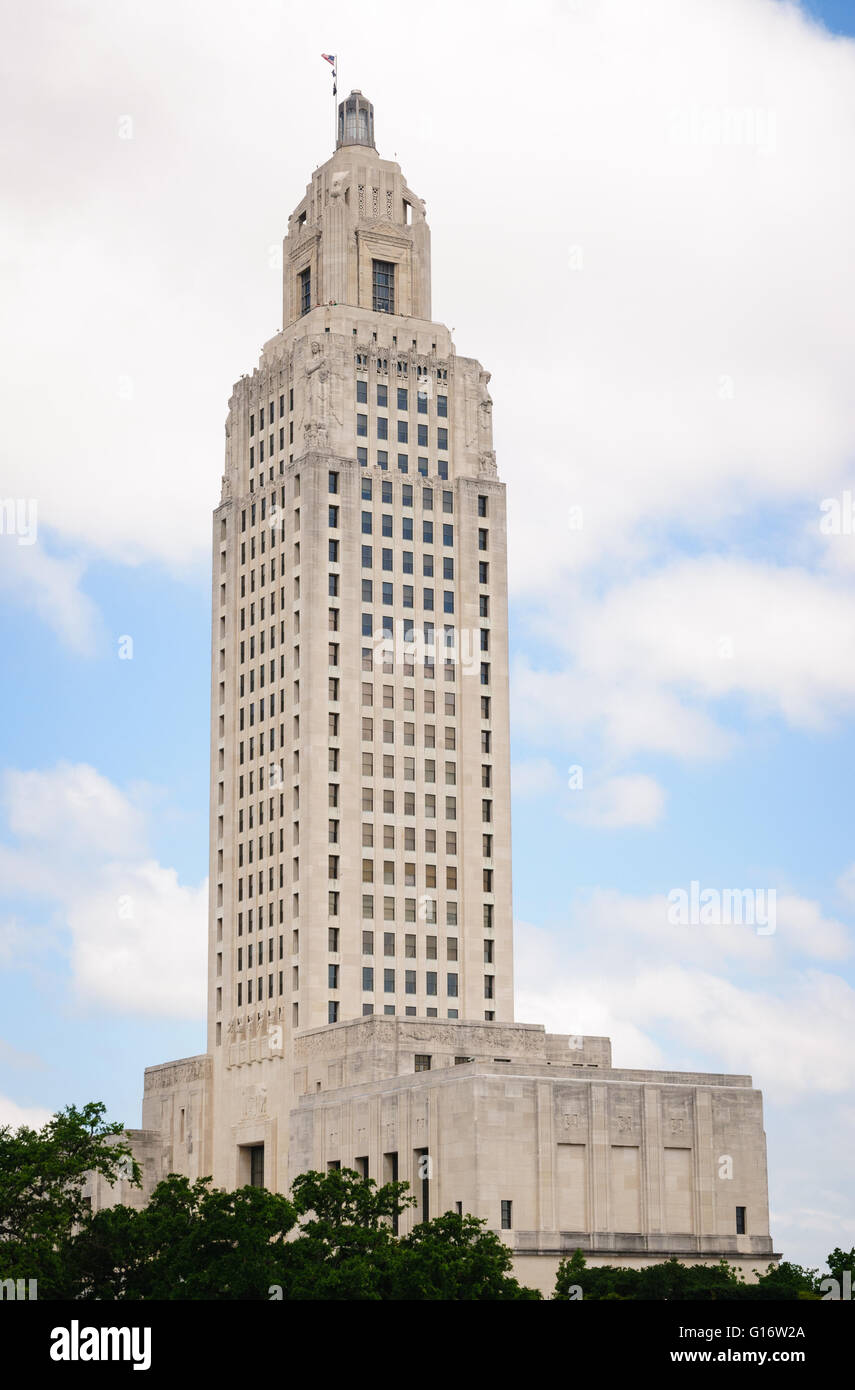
(256, 1165)
(422, 402)
(368, 943)
(367, 975)
(332, 1011)
(362, 424)
(382, 395)
(422, 1061)
(442, 406)
(482, 506)
(740, 1221)
(448, 535)
(403, 433)
(506, 1215)
(423, 436)
(409, 981)
(305, 290)
(383, 287)
(367, 557)
(451, 990)
(389, 981)
(402, 398)
(482, 538)
(442, 442)
(362, 392)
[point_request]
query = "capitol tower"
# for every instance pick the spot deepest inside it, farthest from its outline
(360, 981)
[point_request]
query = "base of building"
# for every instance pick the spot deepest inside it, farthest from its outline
(535, 1133)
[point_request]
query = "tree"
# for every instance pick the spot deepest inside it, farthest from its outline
(672, 1280)
(42, 1175)
(346, 1248)
(454, 1258)
(191, 1241)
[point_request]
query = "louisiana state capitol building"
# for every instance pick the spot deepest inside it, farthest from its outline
(360, 985)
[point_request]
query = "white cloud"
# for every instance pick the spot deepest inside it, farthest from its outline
(682, 172)
(14, 1115)
(49, 587)
(738, 1000)
(649, 659)
(136, 935)
(619, 801)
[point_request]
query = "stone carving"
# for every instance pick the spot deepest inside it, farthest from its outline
(570, 1120)
(485, 414)
(253, 1102)
(624, 1123)
(179, 1074)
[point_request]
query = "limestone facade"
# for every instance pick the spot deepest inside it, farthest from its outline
(360, 991)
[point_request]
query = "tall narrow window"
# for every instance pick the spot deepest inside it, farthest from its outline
(256, 1165)
(383, 285)
(305, 290)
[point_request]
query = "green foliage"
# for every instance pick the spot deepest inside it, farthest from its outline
(42, 1176)
(191, 1241)
(345, 1248)
(333, 1239)
(839, 1261)
(672, 1280)
(454, 1257)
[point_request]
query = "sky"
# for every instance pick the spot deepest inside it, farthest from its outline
(642, 220)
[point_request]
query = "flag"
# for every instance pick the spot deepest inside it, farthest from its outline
(330, 58)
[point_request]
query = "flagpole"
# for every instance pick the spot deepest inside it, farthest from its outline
(334, 94)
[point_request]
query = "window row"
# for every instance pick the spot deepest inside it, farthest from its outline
(402, 398)
(403, 432)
